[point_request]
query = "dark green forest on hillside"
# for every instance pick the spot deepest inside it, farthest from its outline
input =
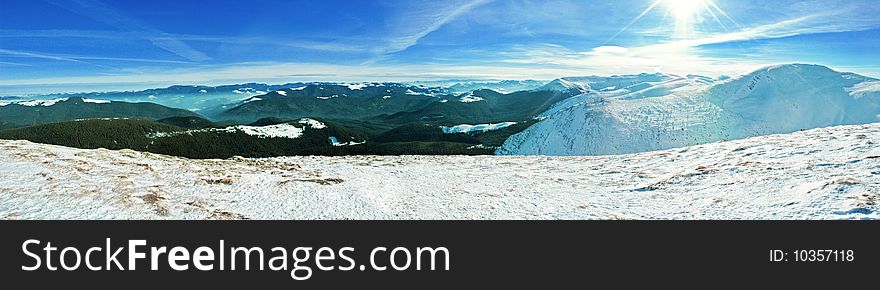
(143, 135)
(376, 119)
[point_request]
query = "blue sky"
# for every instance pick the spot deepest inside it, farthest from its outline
(70, 45)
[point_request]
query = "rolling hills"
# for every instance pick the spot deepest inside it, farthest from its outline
(334, 101)
(189, 97)
(481, 106)
(24, 113)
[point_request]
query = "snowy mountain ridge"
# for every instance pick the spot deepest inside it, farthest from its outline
(654, 111)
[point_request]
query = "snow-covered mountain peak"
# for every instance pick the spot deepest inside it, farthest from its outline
(564, 84)
(788, 78)
(682, 111)
(799, 89)
(598, 83)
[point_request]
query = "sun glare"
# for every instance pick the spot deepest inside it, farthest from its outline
(684, 8)
(685, 13)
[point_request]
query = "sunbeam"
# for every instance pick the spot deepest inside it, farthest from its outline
(721, 11)
(714, 16)
(645, 12)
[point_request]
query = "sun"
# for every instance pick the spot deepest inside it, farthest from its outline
(684, 9)
(685, 13)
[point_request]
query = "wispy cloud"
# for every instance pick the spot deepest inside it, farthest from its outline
(822, 22)
(99, 11)
(418, 23)
(16, 53)
(13, 63)
(330, 46)
(83, 58)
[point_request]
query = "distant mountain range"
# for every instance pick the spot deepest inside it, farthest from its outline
(202, 98)
(340, 101)
(464, 86)
(193, 98)
(364, 118)
(25, 113)
(592, 115)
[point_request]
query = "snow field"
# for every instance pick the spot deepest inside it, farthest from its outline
(826, 173)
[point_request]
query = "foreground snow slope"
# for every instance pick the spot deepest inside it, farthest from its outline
(828, 173)
(654, 112)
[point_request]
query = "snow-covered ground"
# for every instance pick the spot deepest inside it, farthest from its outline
(827, 173)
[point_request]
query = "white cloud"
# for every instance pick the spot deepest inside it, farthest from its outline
(606, 49)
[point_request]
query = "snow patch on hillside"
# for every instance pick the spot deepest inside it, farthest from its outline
(101, 119)
(470, 98)
(315, 124)
(335, 142)
(327, 97)
(43, 103)
(468, 128)
(95, 101)
(355, 87)
(827, 173)
(284, 130)
(248, 91)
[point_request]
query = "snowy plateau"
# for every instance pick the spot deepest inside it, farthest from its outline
(826, 173)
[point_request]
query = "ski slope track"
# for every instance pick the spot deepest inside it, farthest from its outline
(639, 113)
(826, 173)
